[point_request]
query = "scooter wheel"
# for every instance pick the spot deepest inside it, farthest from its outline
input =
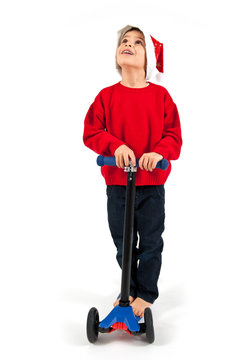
(149, 325)
(92, 325)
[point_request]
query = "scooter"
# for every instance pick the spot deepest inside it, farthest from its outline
(122, 316)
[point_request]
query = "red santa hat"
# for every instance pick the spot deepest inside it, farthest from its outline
(154, 52)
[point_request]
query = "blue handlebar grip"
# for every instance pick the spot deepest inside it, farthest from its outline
(111, 161)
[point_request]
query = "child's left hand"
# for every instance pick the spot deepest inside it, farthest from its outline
(148, 161)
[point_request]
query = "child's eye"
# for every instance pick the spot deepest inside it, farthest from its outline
(137, 41)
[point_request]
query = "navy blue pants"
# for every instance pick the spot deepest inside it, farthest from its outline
(149, 216)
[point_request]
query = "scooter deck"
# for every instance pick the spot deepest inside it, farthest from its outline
(121, 318)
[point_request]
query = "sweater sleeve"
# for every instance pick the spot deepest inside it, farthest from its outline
(169, 146)
(95, 135)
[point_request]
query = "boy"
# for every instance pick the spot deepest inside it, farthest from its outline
(136, 119)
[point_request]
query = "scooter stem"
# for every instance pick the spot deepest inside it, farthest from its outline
(128, 234)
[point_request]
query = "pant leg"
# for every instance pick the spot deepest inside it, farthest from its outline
(116, 210)
(150, 213)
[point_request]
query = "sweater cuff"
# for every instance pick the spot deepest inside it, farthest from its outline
(115, 145)
(161, 151)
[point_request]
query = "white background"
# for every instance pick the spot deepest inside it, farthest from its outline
(57, 257)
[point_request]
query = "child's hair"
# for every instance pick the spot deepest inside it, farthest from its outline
(121, 33)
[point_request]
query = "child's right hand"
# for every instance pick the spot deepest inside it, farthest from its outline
(122, 154)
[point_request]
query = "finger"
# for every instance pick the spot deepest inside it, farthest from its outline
(148, 164)
(155, 164)
(140, 163)
(121, 161)
(132, 156)
(126, 160)
(151, 164)
(145, 163)
(117, 161)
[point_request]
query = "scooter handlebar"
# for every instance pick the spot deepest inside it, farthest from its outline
(111, 161)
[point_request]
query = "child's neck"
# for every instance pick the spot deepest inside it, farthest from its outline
(133, 79)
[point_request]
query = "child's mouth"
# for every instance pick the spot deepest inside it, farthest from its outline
(126, 53)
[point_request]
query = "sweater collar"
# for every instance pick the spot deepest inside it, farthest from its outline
(127, 88)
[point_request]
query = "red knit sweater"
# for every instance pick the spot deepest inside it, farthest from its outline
(145, 119)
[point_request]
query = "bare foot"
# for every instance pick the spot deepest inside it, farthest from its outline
(131, 299)
(139, 305)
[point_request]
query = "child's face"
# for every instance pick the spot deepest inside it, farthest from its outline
(134, 41)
